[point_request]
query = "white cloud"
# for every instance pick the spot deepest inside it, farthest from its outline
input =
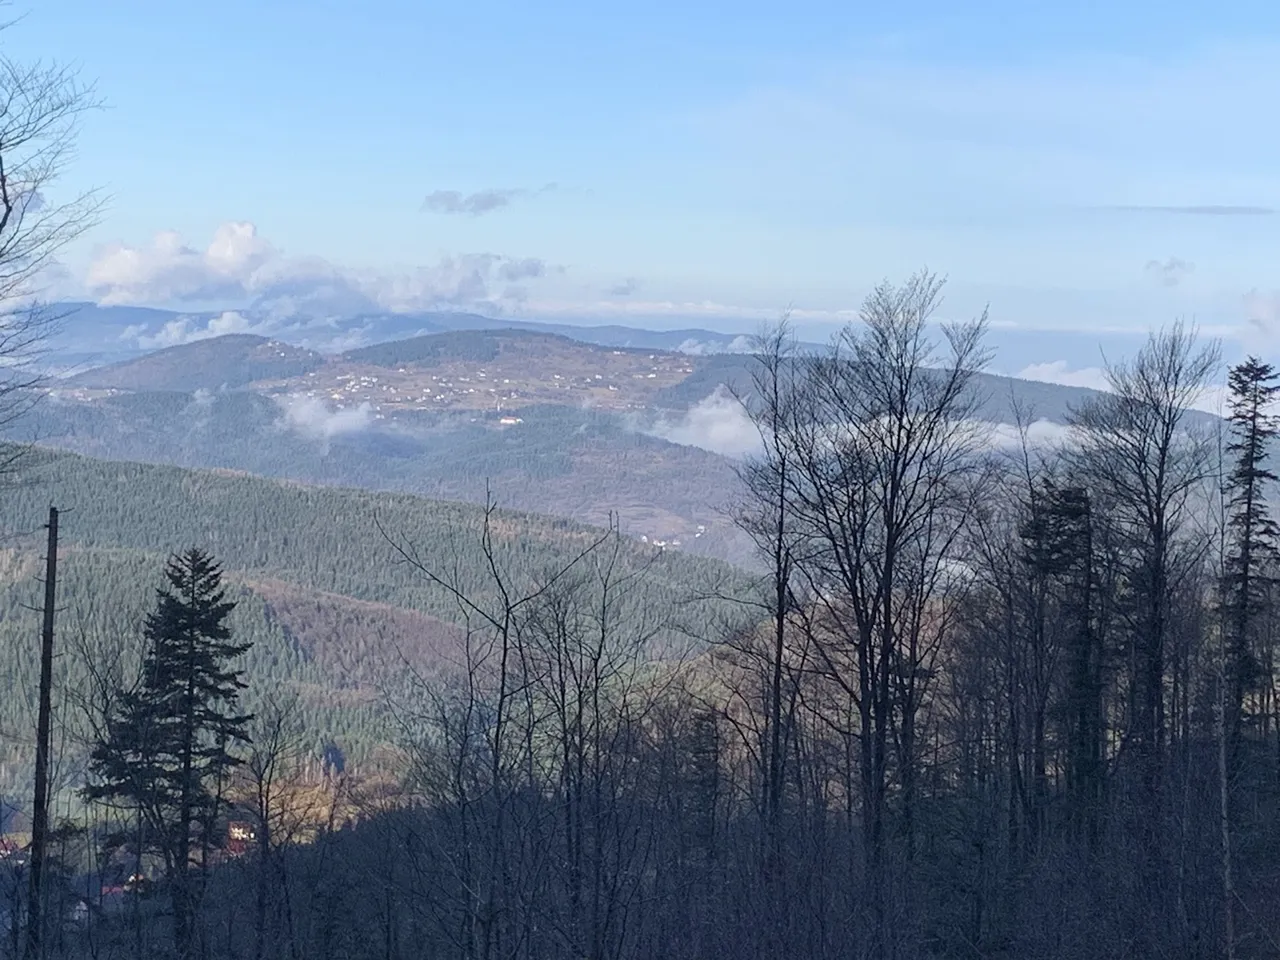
(1211, 400)
(169, 270)
(701, 348)
(1057, 371)
(1039, 434)
(314, 418)
(342, 342)
(189, 330)
(717, 423)
(240, 266)
(696, 348)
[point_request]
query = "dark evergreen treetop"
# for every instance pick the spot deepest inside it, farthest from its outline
(169, 739)
(1253, 390)
(1253, 536)
(1254, 425)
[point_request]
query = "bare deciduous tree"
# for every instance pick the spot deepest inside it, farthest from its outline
(882, 449)
(1139, 450)
(1141, 455)
(41, 105)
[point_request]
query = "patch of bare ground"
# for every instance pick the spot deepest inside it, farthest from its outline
(357, 643)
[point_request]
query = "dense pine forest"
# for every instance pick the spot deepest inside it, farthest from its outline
(323, 595)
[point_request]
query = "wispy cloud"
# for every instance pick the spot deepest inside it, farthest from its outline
(1209, 400)
(624, 288)
(313, 418)
(1201, 210)
(1020, 134)
(701, 348)
(1058, 371)
(1037, 434)
(457, 203)
(1169, 273)
(190, 329)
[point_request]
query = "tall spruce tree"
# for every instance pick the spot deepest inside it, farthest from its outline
(1058, 540)
(166, 747)
(1253, 536)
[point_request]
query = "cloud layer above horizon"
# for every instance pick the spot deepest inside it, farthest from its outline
(240, 267)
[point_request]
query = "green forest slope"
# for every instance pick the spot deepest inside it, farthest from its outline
(322, 594)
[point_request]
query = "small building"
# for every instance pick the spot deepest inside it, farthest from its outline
(240, 836)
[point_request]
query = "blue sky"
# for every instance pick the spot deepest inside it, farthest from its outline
(1087, 169)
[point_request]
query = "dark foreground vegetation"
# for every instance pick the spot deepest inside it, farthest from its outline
(983, 704)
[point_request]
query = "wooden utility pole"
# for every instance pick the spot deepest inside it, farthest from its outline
(40, 812)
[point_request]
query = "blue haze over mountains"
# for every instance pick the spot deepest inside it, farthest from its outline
(660, 461)
(93, 334)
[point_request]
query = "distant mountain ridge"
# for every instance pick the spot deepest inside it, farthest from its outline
(93, 335)
(556, 425)
(232, 360)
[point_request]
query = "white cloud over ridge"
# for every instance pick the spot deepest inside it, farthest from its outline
(315, 419)
(1212, 398)
(1058, 371)
(1037, 435)
(702, 348)
(316, 303)
(717, 424)
(190, 329)
(720, 425)
(238, 265)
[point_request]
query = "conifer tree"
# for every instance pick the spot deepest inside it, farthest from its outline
(1253, 536)
(167, 745)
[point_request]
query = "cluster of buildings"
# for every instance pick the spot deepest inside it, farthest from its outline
(509, 381)
(674, 542)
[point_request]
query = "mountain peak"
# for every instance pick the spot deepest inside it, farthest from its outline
(231, 360)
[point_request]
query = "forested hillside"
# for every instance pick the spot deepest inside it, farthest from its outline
(330, 608)
(558, 460)
(558, 426)
(231, 360)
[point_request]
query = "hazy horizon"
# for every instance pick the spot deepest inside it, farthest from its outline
(1075, 174)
